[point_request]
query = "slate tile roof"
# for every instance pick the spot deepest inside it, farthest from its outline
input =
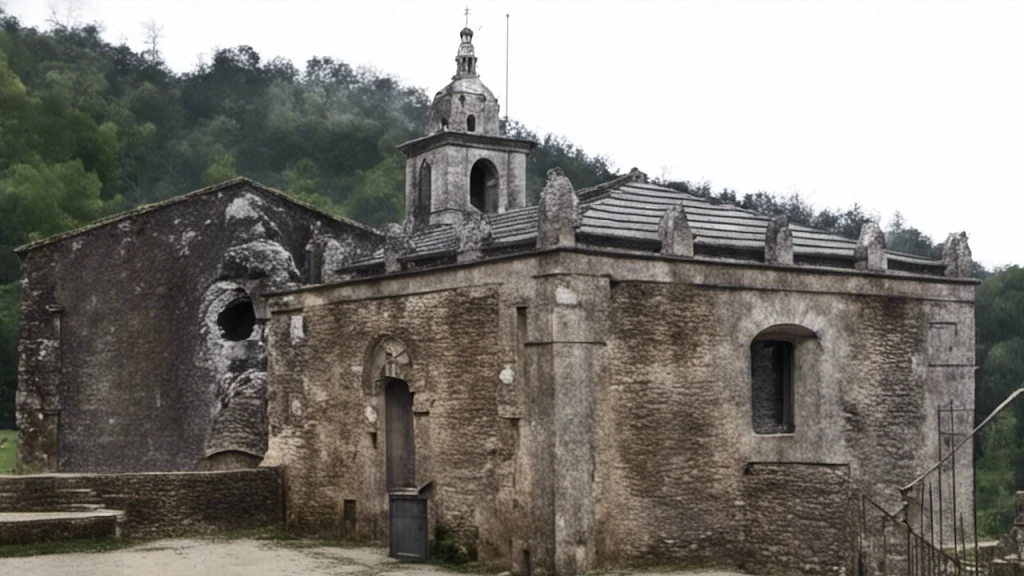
(627, 212)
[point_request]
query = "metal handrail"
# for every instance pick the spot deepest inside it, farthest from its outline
(919, 537)
(977, 429)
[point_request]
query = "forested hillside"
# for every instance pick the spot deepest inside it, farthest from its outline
(89, 128)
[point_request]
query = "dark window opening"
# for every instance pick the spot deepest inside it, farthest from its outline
(422, 211)
(401, 447)
(520, 345)
(444, 123)
(520, 328)
(527, 568)
(771, 377)
(471, 123)
(237, 319)
(483, 186)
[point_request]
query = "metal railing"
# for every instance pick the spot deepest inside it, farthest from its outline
(936, 502)
(889, 546)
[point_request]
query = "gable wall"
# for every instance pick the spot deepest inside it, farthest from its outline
(121, 372)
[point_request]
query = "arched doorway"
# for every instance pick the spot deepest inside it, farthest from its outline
(483, 186)
(400, 444)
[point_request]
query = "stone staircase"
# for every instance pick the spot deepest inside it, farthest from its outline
(1008, 555)
(44, 510)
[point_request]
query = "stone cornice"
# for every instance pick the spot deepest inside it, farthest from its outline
(467, 140)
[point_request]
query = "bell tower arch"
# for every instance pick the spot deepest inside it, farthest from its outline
(473, 168)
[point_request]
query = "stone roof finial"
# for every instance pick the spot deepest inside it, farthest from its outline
(956, 254)
(396, 244)
(870, 251)
(778, 242)
(675, 234)
(557, 212)
(473, 233)
(637, 176)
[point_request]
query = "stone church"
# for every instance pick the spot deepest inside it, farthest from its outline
(617, 375)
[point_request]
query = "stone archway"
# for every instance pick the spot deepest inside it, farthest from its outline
(483, 186)
(389, 357)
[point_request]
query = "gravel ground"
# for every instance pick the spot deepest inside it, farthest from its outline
(232, 558)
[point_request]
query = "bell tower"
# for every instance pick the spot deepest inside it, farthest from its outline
(464, 164)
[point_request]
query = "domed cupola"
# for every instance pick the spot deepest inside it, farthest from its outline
(463, 166)
(465, 104)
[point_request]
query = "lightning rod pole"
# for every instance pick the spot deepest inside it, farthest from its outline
(506, 71)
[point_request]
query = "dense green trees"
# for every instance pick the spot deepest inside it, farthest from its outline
(999, 322)
(8, 352)
(88, 128)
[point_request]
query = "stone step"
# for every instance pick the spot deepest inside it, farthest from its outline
(1007, 567)
(49, 499)
(31, 527)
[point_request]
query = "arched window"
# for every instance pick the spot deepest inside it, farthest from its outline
(773, 362)
(483, 186)
(422, 210)
(471, 123)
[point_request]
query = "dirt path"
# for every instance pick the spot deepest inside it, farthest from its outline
(228, 558)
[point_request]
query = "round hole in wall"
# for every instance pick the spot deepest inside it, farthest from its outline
(237, 319)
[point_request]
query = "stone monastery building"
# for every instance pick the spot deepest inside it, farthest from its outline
(620, 374)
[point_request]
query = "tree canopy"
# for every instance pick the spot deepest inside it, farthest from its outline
(89, 128)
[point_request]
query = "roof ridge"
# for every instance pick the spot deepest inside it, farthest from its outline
(155, 206)
(598, 191)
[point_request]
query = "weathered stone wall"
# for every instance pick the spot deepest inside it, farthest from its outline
(668, 472)
(798, 519)
(161, 505)
(120, 349)
(675, 417)
(595, 410)
(328, 419)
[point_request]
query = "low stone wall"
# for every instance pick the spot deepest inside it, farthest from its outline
(799, 519)
(160, 505)
(28, 527)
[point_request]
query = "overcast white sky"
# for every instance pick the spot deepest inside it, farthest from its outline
(909, 106)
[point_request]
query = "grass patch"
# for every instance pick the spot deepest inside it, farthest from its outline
(274, 532)
(64, 547)
(280, 535)
(472, 567)
(8, 450)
